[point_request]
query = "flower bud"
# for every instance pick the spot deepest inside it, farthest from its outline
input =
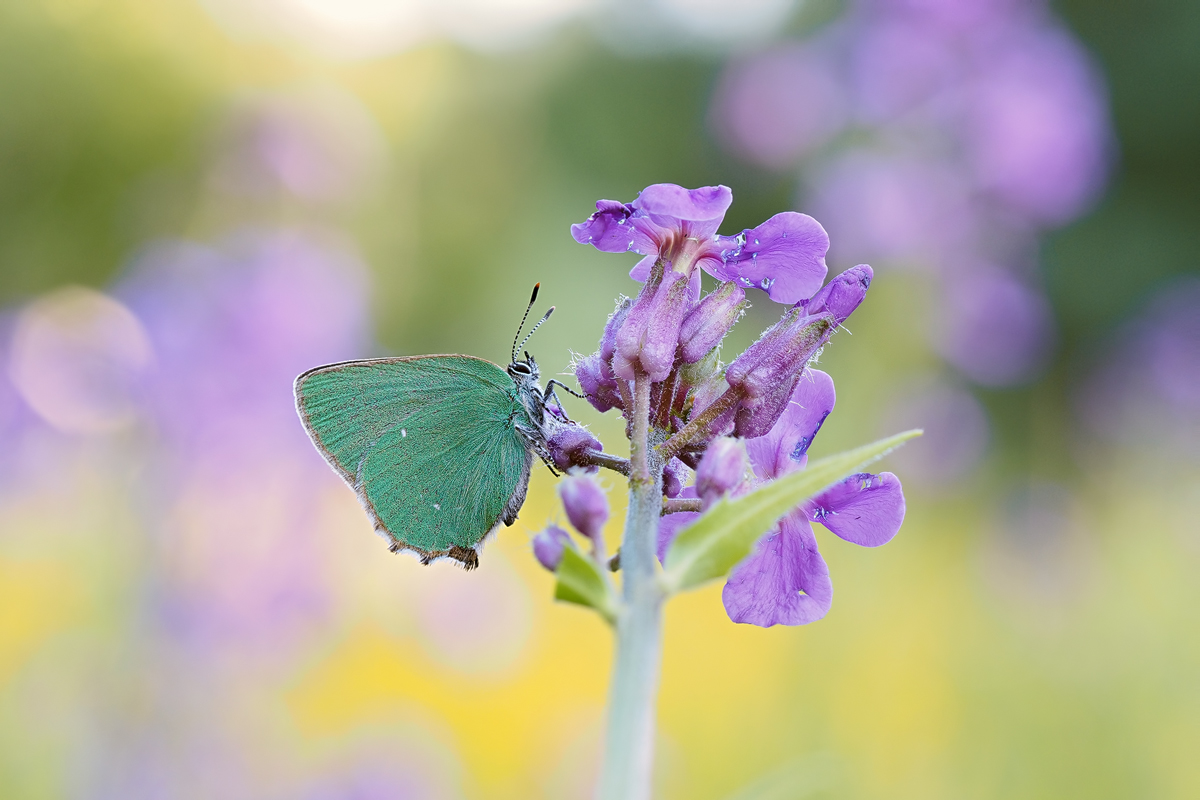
(648, 336)
(608, 340)
(598, 383)
(767, 373)
(674, 476)
(706, 325)
(585, 503)
(841, 295)
(781, 354)
(720, 470)
(548, 546)
(566, 441)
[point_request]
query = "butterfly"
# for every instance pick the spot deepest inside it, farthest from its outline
(438, 448)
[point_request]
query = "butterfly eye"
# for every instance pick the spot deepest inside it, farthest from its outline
(518, 367)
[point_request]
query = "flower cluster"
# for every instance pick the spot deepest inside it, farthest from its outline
(940, 136)
(709, 420)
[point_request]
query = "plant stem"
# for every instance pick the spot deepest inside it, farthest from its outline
(596, 458)
(677, 504)
(696, 428)
(629, 743)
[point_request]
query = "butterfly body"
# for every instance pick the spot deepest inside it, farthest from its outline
(437, 448)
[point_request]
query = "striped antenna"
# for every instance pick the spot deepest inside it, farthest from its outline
(525, 316)
(533, 330)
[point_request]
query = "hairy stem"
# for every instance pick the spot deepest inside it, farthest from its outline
(629, 743)
(677, 504)
(596, 458)
(698, 426)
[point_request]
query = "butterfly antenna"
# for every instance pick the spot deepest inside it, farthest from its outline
(533, 330)
(525, 316)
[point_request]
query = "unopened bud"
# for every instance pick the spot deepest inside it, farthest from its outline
(567, 441)
(841, 295)
(608, 340)
(599, 388)
(720, 470)
(648, 337)
(585, 503)
(548, 546)
(674, 476)
(706, 325)
(781, 354)
(767, 373)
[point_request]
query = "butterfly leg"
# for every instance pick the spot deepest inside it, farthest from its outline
(537, 444)
(552, 383)
(550, 392)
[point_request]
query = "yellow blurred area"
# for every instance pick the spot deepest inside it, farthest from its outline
(39, 599)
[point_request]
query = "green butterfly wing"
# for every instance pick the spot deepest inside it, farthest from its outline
(428, 443)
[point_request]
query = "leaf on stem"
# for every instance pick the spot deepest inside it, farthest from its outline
(580, 581)
(712, 545)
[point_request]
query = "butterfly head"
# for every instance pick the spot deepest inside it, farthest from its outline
(524, 370)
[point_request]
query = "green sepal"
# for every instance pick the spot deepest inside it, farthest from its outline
(581, 581)
(712, 545)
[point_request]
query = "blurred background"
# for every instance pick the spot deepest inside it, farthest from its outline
(200, 199)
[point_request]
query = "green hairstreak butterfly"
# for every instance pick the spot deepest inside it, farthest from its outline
(437, 448)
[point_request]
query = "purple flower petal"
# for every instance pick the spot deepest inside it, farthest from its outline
(641, 270)
(785, 448)
(610, 230)
(864, 509)
(784, 256)
(697, 212)
(785, 581)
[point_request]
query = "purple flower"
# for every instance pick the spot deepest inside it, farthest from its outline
(996, 330)
(567, 440)
(706, 325)
(721, 470)
(842, 295)
(785, 581)
(1036, 128)
(548, 546)
(770, 369)
(649, 336)
(585, 503)
(976, 126)
(774, 108)
(784, 256)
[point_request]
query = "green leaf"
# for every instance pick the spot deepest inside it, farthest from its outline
(712, 545)
(581, 581)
